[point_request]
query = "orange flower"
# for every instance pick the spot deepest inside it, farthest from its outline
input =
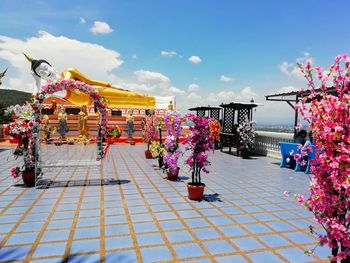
(214, 128)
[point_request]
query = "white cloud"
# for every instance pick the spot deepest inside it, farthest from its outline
(227, 96)
(248, 94)
(193, 96)
(101, 28)
(82, 20)
(169, 54)
(225, 78)
(93, 60)
(193, 87)
(150, 76)
(291, 70)
(287, 89)
(134, 56)
(285, 67)
(156, 82)
(224, 96)
(194, 59)
(175, 90)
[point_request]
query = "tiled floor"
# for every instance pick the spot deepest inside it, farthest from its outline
(147, 218)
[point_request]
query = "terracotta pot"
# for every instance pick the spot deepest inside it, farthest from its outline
(195, 192)
(29, 178)
(173, 176)
(148, 155)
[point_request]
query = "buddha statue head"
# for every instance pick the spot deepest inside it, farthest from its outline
(41, 69)
(83, 108)
(170, 105)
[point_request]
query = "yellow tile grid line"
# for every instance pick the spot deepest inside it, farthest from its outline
(240, 225)
(294, 244)
(302, 247)
(47, 222)
(189, 229)
(127, 213)
(154, 219)
(24, 215)
(161, 191)
(223, 236)
(102, 217)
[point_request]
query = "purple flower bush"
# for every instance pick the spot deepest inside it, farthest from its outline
(199, 142)
(172, 121)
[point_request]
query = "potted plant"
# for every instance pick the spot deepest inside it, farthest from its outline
(149, 131)
(158, 151)
(198, 143)
(173, 123)
(21, 130)
(246, 132)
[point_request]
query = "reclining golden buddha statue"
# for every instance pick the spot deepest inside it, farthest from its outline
(114, 96)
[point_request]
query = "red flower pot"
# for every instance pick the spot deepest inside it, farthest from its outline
(29, 178)
(148, 155)
(173, 176)
(195, 191)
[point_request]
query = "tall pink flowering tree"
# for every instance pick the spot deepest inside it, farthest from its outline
(329, 118)
(198, 143)
(149, 131)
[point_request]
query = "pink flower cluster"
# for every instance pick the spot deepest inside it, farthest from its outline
(149, 130)
(63, 84)
(329, 117)
(198, 142)
(15, 172)
(172, 121)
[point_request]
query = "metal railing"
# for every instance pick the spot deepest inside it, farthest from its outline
(266, 143)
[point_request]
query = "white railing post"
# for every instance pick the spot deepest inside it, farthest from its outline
(266, 143)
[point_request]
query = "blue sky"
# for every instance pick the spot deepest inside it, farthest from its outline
(247, 48)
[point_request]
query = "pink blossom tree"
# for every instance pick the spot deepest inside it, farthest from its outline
(149, 130)
(329, 118)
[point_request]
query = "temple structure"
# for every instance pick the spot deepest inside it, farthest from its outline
(119, 101)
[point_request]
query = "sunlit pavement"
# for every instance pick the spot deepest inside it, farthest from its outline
(145, 218)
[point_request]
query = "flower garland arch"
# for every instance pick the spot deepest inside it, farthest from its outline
(63, 84)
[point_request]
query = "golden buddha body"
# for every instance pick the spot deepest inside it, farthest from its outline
(114, 96)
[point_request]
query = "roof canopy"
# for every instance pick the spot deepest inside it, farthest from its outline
(293, 97)
(208, 111)
(239, 105)
(205, 108)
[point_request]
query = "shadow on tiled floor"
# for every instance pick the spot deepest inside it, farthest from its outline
(244, 217)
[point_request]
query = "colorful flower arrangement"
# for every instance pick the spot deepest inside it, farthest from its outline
(22, 131)
(198, 143)
(246, 132)
(63, 84)
(157, 149)
(116, 131)
(329, 118)
(24, 112)
(173, 124)
(215, 128)
(19, 129)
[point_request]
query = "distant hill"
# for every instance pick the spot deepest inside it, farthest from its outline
(13, 97)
